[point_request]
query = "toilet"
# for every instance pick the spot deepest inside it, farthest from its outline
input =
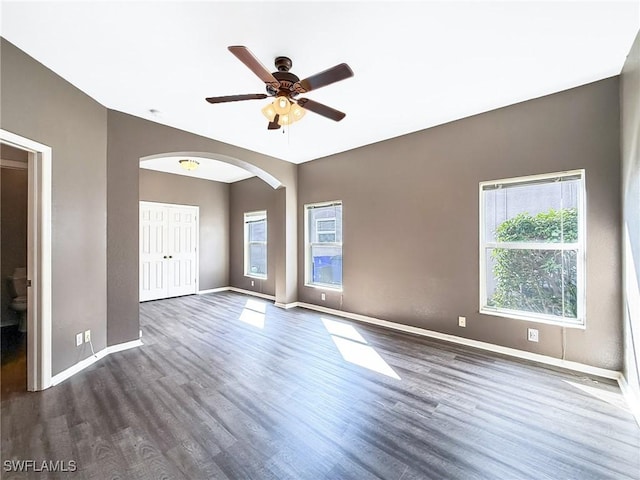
(17, 284)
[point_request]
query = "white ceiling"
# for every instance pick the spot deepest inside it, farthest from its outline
(208, 168)
(416, 64)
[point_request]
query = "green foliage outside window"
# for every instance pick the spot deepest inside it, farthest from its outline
(540, 281)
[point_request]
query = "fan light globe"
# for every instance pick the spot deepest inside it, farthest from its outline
(269, 111)
(297, 112)
(285, 120)
(282, 105)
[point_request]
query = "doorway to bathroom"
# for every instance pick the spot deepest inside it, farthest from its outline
(14, 185)
(26, 251)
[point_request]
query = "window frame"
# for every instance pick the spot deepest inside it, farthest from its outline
(579, 246)
(247, 244)
(308, 245)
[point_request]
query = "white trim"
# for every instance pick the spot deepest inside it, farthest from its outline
(533, 178)
(287, 306)
(250, 167)
(249, 292)
(261, 216)
(196, 211)
(213, 290)
(162, 204)
(512, 352)
(119, 347)
(13, 164)
(580, 246)
(324, 286)
(632, 397)
(78, 367)
(239, 290)
(308, 244)
(533, 245)
(537, 318)
(38, 260)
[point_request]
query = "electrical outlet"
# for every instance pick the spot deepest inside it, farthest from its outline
(532, 335)
(87, 336)
(78, 339)
(252, 283)
(323, 296)
(462, 321)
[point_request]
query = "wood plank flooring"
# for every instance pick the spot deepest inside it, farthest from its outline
(231, 387)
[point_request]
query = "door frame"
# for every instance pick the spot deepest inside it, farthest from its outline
(196, 208)
(39, 317)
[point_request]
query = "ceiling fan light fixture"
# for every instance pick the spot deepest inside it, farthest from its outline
(189, 164)
(282, 105)
(297, 112)
(269, 112)
(285, 120)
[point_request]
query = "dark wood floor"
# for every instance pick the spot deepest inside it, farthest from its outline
(222, 390)
(13, 360)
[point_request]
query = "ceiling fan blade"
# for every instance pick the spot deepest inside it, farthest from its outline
(321, 109)
(236, 98)
(322, 79)
(245, 56)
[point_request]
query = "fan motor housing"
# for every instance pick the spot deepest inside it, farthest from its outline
(287, 80)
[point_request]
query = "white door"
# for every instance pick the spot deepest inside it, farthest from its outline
(168, 250)
(182, 251)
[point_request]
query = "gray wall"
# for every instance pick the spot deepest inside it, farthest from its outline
(249, 196)
(39, 105)
(13, 230)
(213, 200)
(410, 209)
(630, 103)
(411, 218)
(129, 139)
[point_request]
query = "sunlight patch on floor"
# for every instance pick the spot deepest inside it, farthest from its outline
(343, 330)
(254, 313)
(613, 398)
(354, 349)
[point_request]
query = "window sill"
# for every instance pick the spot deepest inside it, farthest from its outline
(258, 277)
(533, 318)
(323, 287)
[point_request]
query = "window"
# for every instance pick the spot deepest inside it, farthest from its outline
(326, 230)
(255, 244)
(323, 244)
(532, 256)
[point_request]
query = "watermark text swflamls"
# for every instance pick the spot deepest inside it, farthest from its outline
(40, 466)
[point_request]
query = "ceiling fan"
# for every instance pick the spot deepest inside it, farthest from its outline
(285, 87)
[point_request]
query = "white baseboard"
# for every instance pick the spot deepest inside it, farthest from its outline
(214, 290)
(78, 367)
(287, 306)
(251, 292)
(535, 357)
(632, 397)
(238, 290)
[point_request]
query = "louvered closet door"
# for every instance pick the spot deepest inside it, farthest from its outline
(168, 250)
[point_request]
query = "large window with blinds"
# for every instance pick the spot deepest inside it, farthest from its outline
(323, 244)
(532, 248)
(255, 244)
